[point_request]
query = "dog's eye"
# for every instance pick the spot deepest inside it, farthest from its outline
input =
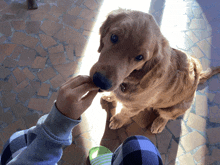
(139, 58)
(114, 38)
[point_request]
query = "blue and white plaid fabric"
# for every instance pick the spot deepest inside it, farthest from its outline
(136, 150)
(15, 145)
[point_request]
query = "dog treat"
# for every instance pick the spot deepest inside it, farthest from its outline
(32, 4)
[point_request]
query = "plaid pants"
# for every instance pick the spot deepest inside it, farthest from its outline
(15, 145)
(136, 150)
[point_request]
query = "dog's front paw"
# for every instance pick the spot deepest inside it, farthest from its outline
(158, 125)
(119, 120)
(107, 105)
(108, 98)
(115, 122)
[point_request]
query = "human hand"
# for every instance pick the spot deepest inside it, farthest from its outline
(70, 101)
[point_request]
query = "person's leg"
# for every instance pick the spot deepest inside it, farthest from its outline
(14, 146)
(138, 150)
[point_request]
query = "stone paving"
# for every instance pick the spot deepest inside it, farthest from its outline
(41, 49)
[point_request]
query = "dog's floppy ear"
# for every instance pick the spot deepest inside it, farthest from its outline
(103, 30)
(114, 16)
(157, 65)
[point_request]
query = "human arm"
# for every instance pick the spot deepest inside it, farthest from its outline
(42, 144)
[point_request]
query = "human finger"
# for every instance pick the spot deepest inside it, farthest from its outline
(87, 100)
(84, 88)
(68, 81)
(76, 81)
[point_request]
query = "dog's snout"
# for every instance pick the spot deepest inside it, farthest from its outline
(101, 81)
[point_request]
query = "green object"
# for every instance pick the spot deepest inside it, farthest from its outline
(100, 156)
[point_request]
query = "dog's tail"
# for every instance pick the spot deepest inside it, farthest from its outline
(205, 75)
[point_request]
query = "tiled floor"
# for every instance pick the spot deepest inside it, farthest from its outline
(41, 49)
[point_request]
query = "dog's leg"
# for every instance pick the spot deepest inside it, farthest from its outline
(166, 114)
(108, 104)
(122, 118)
(158, 125)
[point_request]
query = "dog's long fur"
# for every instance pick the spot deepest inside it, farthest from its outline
(165, 80)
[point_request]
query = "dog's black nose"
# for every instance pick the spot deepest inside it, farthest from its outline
(101, 81)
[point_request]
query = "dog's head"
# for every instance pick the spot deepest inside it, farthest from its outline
(129, 40)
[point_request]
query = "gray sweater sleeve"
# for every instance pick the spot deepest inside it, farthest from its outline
(46, 139)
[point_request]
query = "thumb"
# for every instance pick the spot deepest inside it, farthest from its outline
(87, 100)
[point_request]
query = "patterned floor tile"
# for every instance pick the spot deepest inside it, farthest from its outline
(200, 153)
(41, 49)
(186, 159)
(192, 140)
(196, 122)
(177, 128)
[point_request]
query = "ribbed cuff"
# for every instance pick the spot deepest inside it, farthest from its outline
(60, 125)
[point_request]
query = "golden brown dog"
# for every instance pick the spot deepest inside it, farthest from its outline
(142, 71)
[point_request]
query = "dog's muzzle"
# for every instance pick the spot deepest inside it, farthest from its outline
(101, 81)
